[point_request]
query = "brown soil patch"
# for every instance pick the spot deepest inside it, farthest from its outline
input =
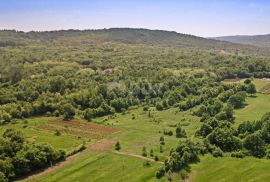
(103, 145)
(232, 80)
(265, 89)
(80, 129)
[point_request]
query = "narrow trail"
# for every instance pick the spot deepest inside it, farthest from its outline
(137, 156)
(101, 145)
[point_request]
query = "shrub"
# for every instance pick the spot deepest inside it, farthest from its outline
(168, 132)
(144, 152)
(117, 146)
(238, 154)
(217, 152)
(160, 173)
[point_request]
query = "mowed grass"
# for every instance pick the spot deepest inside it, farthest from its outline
(260, 83)
(132, 134)
(43, 129)
(229, 169)
(104, 167)
(143, 131)
(256, 107)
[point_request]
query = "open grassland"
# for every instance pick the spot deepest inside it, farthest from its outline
(104, 167)
(72, 133)
(212, 169)
(261, 84)
(256, 107)
(146, 131)
(136, 129)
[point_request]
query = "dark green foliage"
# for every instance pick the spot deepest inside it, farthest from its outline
(68, 111)
(183, 155)
(237, 100)
(89, 114)
(117, 146)
(247, 81)
(238, 154)
(224, 139)
(162, 140)
(19, 157)
(180, 132)
(251, 89)
(217, 152)
(255, 144)
(151, 153)
(144, 152)
(160, 173)
(168, 132)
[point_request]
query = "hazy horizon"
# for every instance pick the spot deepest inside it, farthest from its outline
(209, 18)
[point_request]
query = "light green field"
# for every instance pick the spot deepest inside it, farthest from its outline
(31, 128)
(104, 167)
(260, 83)
(133, 134)
(256, 107)
(143, 131)
(228, 169)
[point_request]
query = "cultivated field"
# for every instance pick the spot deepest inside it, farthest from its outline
(72, 133)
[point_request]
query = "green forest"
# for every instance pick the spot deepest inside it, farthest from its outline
(165, 102)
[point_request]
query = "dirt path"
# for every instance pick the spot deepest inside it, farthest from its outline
(137, 156)
(102, 145)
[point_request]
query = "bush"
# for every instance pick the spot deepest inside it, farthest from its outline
(146, 164)
(180, 133)
(117, 146)
(152, 153)
(2, 177)
(144, 152)
(238, 154)
(160, 173)
(57, 133)
(183, 174)
(168, 132)
(217, 152)
(162, 140)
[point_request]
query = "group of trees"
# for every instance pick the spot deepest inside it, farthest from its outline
(18, 157)
(181, 157)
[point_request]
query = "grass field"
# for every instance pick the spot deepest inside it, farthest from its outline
(104, 167)
(256, 107)
(260, 83)
(228, 169)
(133, 134)
(136, 129)
(42, 130)
(144, 131)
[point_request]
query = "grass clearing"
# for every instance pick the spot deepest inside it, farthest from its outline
(72, 133)
(212, 169)
(146, 131)
(104, 167)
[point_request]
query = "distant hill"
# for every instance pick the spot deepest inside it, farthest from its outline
(256, 40)
(127, 36)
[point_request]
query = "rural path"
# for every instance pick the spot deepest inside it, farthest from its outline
(101, 145)
(137, 156)
(50, 169)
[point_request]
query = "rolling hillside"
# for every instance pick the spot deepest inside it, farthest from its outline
(256, 40)
(127, 36)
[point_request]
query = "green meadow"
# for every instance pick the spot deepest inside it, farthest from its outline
(212, 169)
